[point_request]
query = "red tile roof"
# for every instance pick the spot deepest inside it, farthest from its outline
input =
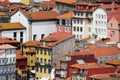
(47, 4)
(8, 40)
(89, 66)
(87, 38)
(3, 14)
(114, 62)
(87, 3)
(66, 1)
(12, 26)
(113, 14)
(32, 43)
(57, 39)
(44, 15)
(103, 40)
(102, 51)
(100, 76)
(118, 19)
(107, 0)
(19, 56)
(110, 6)
(6, 46)
(66, 15)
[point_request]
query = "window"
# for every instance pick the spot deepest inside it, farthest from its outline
(67, 29)
(41, 69)
(113, 33)
(44, 70)
(21, 40)
(60, 28)
(74, 28)
(77, 21)
(77, 28)
(81, 22)
(41, 60)
(44, 61)
(42, 36)
(31, 61)
(81, 14)
(21, 34)
(49, 70)
(60, 22)
(49, 52)
(41, 51)
(81, 29)
(44, 52)
(49, 62)
(74, 21)
(111, 24)
(15, 35)
(34, 37)
(37, 69)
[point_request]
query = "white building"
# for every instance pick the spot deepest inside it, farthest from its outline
(7, 62)
(13, 30)
(82, 20)
(99, 26)
(20, 17)
(38, 24)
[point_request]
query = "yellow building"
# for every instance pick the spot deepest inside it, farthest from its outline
(29, 50)
(26, 2)
(43, 61)
(51, 50)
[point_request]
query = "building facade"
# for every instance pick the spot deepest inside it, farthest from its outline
(114, 29)
(14, 31)
(82, 20)
(51, 50)
(8, 62)
(99, 26)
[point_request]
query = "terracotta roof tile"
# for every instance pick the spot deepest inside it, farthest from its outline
(109, 6)
(104, 40)
(47, 4)
(44, 15)
(90, 66)
(87, 3)
(100, 76)
(66, 15)
(87, 38)
(8, 40)
(57, 39)
(107, 0)
(32, 50)
(6, 46)
(114, 62)
(32, 43)
(118, 19)
(19, 56)
(12, 26)
(102, 51)
(66, 1)
(3, 14)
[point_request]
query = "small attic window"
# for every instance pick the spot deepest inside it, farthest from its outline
(68, 58)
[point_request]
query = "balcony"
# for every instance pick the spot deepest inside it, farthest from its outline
(42, 65)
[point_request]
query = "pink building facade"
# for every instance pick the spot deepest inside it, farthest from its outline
(113, 29)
